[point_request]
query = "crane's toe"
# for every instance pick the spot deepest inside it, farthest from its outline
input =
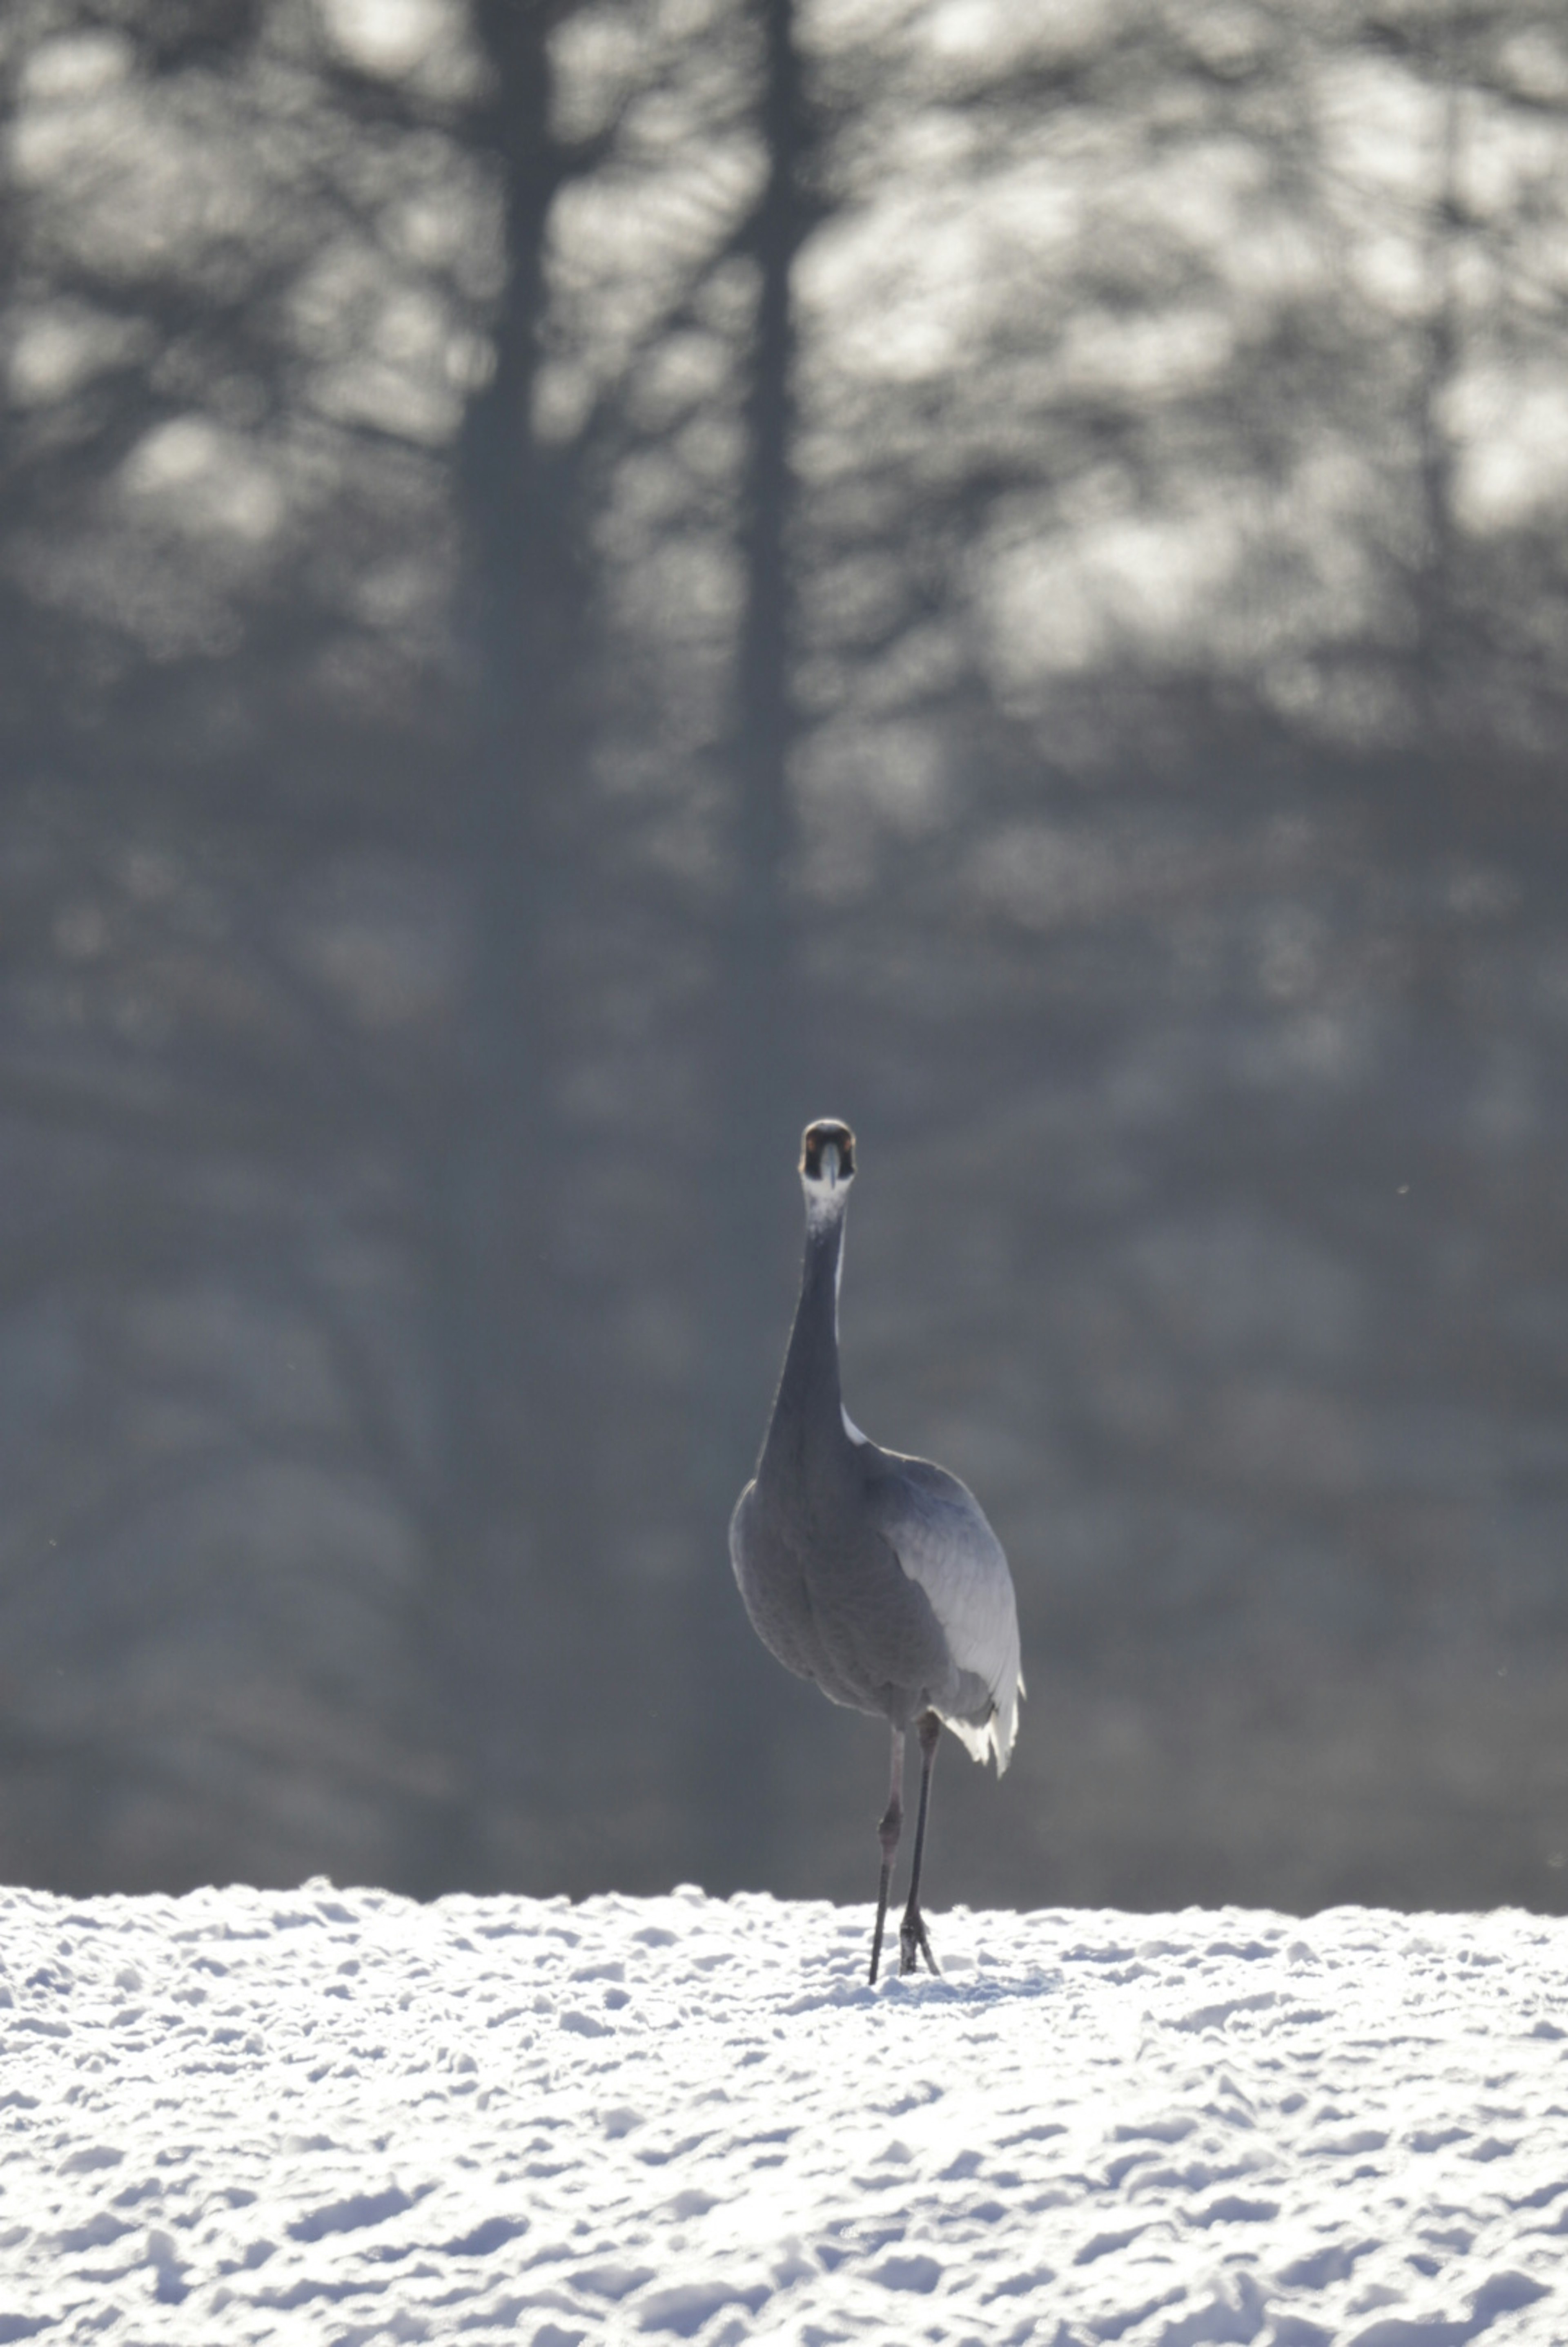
(914, 1942)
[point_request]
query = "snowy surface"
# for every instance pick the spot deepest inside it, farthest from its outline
(335, 2116)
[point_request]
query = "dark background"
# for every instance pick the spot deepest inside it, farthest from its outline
(580, 585)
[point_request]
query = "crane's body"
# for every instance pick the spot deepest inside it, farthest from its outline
(876, 1575)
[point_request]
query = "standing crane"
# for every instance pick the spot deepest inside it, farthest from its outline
(876, 1575)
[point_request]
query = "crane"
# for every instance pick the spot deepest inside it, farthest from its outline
(875, 1575)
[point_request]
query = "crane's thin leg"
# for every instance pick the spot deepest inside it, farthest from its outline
(888, 1835)
(913, 1941)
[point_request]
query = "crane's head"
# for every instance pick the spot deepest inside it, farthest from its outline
(827, 1156)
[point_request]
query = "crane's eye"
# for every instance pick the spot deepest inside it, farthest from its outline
(814, 1141)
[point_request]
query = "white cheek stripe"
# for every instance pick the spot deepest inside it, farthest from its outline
(851, 1428)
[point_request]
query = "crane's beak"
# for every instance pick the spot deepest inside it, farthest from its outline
(830, 1163)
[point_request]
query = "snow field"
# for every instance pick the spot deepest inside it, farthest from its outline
(337, 2116)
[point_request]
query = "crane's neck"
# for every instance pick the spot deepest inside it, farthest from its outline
(808, 1413)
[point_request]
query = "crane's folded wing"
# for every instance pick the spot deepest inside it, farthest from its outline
(938, 1530)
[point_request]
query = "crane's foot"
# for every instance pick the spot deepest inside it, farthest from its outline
(914, 1942)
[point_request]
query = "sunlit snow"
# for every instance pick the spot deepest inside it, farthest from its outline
(339, 2117)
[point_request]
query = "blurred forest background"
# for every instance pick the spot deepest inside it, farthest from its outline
(580, 584)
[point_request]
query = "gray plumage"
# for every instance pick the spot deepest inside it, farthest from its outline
(876, 1575)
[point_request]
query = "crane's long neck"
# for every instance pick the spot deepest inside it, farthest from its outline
(808, 1413)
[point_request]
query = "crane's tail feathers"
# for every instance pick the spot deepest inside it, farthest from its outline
(990, 1739)
(975, 1740)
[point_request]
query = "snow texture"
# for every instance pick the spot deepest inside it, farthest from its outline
(339, 2117)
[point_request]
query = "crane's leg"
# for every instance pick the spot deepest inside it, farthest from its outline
(913, 1941)
(888, 1834)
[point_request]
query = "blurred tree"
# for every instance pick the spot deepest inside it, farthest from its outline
(236, 341)
(758, 1087)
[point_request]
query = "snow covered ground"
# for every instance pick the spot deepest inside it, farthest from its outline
(330, 2116)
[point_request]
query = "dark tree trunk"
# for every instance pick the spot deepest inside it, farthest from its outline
(760, 1108)
(518, 1550)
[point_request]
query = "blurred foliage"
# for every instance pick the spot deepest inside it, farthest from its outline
(580, 584)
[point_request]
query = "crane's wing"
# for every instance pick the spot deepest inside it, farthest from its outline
(937, 1529)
